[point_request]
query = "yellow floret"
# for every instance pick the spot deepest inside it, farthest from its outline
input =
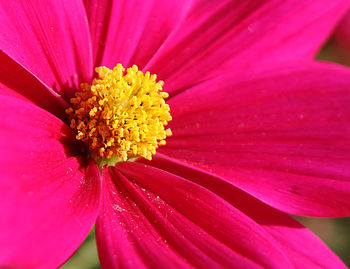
(122, 114)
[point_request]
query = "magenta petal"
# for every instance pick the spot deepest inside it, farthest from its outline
(49, 39)
(17, 81)
(303, 248)
(280, 133)
(48, 200)
(130, 32)
(214, 37)
(151, 218)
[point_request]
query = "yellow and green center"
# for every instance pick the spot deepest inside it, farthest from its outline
(121, 115)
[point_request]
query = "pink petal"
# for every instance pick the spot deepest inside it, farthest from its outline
(214, 37)
(49, 39)
(151, 218)
(130, 32)
(302, 247)
(280, 133)
(48, 198)
(17, 81)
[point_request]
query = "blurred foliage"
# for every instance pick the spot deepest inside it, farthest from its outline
(86, 256)
(332, 52)
(334, 232)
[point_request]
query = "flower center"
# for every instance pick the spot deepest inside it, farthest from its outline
(121, 115)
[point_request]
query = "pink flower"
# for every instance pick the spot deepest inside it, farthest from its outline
(252, 136)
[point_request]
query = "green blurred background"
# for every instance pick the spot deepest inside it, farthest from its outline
(334, 232)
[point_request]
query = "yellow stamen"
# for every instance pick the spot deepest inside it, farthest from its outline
(122, 114)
